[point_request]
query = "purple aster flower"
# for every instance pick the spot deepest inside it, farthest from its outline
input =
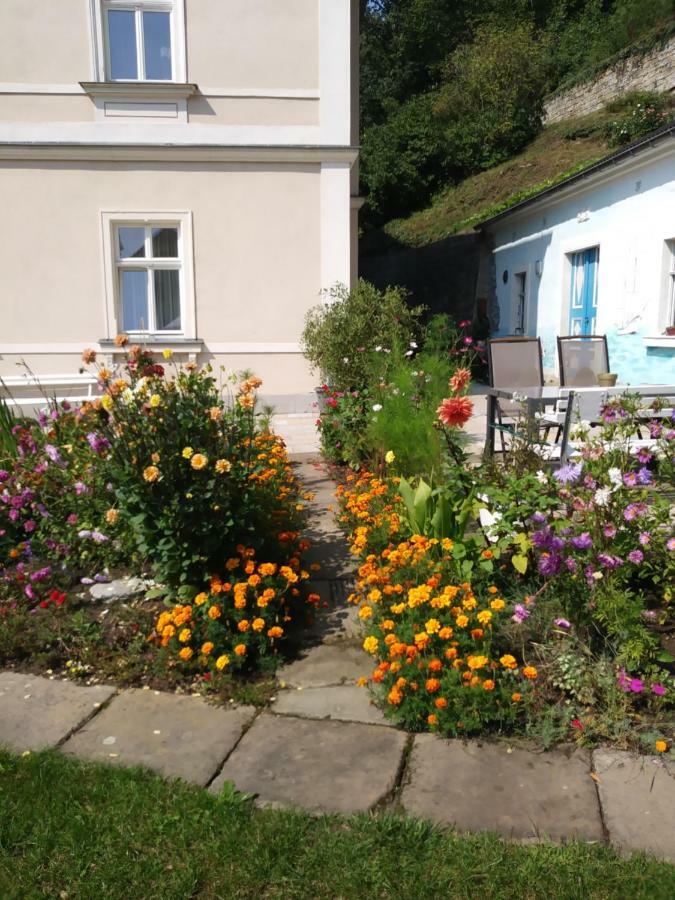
(14, 515)
(542, 538)
(86, 581)
(571, 564)
(623, 681)
(590, 482)
(101, 579)
(655, 430)
(538, 518)
(608, 561)
(42, 418)
(80, 488)
(644, 456)
(658, 689)
(562, 623)
(72, 519)
(97, 442)
(630, 479)
(582, 541)
(644, 476)
(30, 525)
(53, 453)
(549, 564)
(568, 473)
(520, 613)
(4, 475)
(609, 531)
(645, 538)
(99, 537)
(636, 556)
(670, 543)
(636, 685)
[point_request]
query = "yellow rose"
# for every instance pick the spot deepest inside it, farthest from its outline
(187, 452)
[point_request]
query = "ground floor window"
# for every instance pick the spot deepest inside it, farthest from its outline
(150, 283)
(670, 312)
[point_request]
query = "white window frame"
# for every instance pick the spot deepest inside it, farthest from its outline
(670, 296)
(112, 266)
(517, 293)
(99, 28)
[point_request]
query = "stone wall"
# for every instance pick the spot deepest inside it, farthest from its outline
(651, 71)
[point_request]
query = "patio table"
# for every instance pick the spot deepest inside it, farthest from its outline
(537, 398)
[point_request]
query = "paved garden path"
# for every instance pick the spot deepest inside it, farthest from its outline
(322, 746)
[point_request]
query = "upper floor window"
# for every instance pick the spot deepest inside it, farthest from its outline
(670, 310)
(139, 40)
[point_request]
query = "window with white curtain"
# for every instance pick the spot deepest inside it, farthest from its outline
(149, 267)
(139, 40)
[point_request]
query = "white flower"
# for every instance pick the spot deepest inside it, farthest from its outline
(377, 407)
(614, 475)
(141, 386)
(517, 397)
(387, 351)
(127, 396)
(542, 477)
(345, 359)
(378, 348)
(413, 345)
(602, 496)
(408, 353)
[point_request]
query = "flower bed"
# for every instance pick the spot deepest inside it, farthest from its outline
(167, 473)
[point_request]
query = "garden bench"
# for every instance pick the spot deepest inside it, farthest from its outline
(74, 388)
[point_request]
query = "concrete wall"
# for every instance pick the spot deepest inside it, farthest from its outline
(652, 71)
(629, 214)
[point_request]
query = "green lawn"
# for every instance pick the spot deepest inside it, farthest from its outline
(72, 830)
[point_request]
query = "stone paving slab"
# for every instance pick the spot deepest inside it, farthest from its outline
(177, 736)
(638, 801)
(324, 766)
(344, 703)
(335, 619)
(483, 787)
(325, 665)
(36, 712)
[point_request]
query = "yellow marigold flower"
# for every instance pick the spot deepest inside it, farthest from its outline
(258, 624)
(492, 589)
(516, 697)
(207, 647)
(388, 625)
(232, 564)
(240, 649)
(185, 635)
(365, 612)
(167, 353)
(484, 616)
(222, 466)
(476, 662)
(266, 569)
(508, 661)
(198, 461)
(445, 633)
(447, 544)
(530, 672)
(275, 632)
(214, 612)
(389, 456)
(397, 608)
(243, 625)
(222, 661)
(498, 604)
(422, 640)
(370, 644)
(433, 626)
(151, 473)
(461, 621)
(186, 653)
(661, 746)
(187, 452)
(200, 599)
(375, 595)
(111, 516)
(155, 401)
(107, 402)
(168, 631)
(488, 685)
(362, 681)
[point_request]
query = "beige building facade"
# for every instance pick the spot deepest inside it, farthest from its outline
(184, 171)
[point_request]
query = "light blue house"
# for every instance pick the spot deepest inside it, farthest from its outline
(595, 254)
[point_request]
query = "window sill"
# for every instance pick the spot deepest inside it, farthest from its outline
(666, 341)
(138, 90)
(155, 344)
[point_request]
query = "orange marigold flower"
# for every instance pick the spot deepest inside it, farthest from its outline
(432, 719)
(214, 612)
(232, 564)
(477, 633)
(222, 466)
(440, 702)
(254, 580)
(243, 625)
(240, 649)
(435, 665)
(508, 661)
(275, 632)
(488, 685)
(661, 746)
(258, 624)
(530, 672)
(497, 604)
(462, 621)
(487, 554)
(516, 697)
(432, 685)
(200, 599)
(394, 696)
(445, 633)
(186, 653)
(207, 647)
(460, 380)
(450, 653)
(455, 412)
(215, 413)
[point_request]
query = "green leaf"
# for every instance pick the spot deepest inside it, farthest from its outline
(519, 563)
(665, 657)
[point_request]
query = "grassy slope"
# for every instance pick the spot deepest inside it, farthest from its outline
(74, 830)
(548, 159)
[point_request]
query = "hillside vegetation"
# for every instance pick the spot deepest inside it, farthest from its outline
(453, 88)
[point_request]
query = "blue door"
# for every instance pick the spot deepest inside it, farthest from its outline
(584, 291)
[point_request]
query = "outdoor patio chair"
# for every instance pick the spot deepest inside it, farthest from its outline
(582, 358)
(514, 362)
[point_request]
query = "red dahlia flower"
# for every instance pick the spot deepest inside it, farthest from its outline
(454, 412)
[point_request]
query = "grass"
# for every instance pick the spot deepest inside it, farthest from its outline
(74, 830)
(560, 150)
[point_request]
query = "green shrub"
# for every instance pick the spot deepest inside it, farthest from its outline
(644, 113)
(340, 335)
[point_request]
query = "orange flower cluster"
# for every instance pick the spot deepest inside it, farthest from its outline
(433, 639)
